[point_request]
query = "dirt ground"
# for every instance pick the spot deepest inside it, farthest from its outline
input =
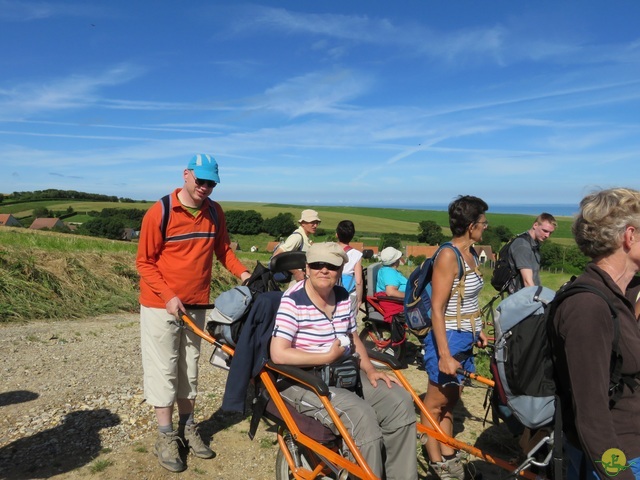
(71, 407)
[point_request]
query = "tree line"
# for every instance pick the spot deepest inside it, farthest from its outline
(56, 194)
(250, 222)
(112, 222)
(554, 256)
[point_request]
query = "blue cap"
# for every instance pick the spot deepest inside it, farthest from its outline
(204, 167)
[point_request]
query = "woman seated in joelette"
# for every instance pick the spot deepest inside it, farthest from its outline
(390, 283)
(316, 326)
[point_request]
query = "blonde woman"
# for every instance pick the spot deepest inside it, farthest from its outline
(607, 229)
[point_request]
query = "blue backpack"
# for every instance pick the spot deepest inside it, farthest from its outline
(417, 295)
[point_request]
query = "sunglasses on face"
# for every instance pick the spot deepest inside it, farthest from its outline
(321, 265)
(200, 182)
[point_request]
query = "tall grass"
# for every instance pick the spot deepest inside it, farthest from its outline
(52, 241)
(44, 275)
(53, 275)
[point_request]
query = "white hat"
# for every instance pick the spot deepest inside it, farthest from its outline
(309, 216)
(389, 255)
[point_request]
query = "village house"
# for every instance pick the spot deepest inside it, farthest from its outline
(8, 220)
(485, 254)
(417, 250)
(50, 223)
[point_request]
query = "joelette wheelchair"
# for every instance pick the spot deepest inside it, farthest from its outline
(307, 449)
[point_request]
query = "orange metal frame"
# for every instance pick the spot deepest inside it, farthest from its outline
(360, 469)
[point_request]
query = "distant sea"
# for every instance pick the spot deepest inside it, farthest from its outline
(556, 209)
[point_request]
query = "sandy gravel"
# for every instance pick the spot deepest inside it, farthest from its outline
(71, 407)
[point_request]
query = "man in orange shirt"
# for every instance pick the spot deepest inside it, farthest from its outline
(179, 235)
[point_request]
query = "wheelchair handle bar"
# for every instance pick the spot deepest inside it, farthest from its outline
(476, 377)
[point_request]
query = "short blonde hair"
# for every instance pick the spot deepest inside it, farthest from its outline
(602, 219)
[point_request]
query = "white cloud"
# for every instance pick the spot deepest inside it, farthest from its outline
(314, 93)
(501, 44)
(74, 91)
(26, 11)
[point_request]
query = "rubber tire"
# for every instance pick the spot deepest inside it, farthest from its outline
(282, 467)
(378, 332)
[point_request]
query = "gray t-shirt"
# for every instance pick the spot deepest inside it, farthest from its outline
(525, 253)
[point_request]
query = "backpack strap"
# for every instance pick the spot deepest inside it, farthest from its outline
(213, 213)
(166, 213)
(617, 380)
(514, 272)
(462, 274)
(299, 249)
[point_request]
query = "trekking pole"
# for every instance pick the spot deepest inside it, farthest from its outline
(476, 377)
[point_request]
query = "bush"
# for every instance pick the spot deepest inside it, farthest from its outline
(244, 222)
(282, 225)
(417, 260)
(110, 227)
(430, 233)
(390, 240)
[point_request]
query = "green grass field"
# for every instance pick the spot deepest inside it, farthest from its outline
(50, 241)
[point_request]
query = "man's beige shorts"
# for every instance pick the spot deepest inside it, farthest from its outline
(170, 356)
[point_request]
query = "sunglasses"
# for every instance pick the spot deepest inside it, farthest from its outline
(321, 265)
(200, 182)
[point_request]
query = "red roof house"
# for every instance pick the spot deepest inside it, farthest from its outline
(50, 223)
(8, 220)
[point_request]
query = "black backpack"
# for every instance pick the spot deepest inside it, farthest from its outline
(260, 281)
(285, 276)
(504, 272)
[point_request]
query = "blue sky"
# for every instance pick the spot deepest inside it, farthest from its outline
(323, 102)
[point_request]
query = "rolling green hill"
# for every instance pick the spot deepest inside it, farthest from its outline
(366, 219)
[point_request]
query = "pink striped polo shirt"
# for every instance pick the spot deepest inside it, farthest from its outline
(306, 326)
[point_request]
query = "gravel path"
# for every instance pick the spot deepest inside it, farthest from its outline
(71, 407)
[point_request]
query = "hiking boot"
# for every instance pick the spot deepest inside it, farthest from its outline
(193, 440)
(456, 466)
(443, 471)
(168, 452)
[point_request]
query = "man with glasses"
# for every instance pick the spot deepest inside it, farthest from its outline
(524, 253)
(179, 236)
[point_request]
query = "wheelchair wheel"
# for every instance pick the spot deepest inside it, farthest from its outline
(377, 336)
(283, 472)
